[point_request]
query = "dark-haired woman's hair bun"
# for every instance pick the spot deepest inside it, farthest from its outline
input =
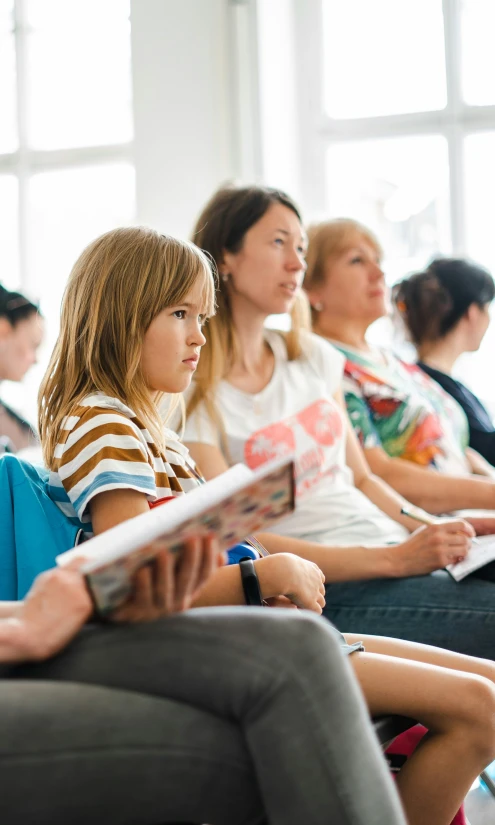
(16, 307)
(432, 302)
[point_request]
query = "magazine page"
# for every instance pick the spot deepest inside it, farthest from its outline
(231, 506)
(133, 533)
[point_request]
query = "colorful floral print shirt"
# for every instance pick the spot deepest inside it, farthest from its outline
(398, 407)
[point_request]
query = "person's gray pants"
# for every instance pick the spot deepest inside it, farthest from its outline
(230, 716)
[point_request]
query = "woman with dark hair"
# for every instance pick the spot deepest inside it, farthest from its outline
(445, 310)
(21, 333)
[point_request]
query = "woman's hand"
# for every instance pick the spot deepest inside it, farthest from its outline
(299, 580)
(53, 612)
(433, 547)
(482, 525)
(171, 582)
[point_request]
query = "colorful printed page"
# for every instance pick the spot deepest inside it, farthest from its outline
(231, 506)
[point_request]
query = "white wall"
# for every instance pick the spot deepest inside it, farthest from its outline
(193, 95)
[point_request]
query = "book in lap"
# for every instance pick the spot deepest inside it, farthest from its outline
(231, 506)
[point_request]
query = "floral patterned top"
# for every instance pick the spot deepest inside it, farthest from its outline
(398, 407)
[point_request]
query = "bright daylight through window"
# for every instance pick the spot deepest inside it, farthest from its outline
(66, 170)
(398, 128)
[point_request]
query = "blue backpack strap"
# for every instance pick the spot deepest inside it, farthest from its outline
(37, 530)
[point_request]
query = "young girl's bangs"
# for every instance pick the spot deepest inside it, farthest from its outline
(191, 270)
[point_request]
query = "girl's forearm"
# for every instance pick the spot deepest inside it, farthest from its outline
(225, 586)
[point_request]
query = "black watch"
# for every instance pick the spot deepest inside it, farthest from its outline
(250, 583)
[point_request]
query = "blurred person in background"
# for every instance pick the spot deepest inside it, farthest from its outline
(445, 312)
(410, 429)
(21, 333)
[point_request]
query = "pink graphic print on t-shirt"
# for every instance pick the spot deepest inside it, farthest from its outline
(314, 435)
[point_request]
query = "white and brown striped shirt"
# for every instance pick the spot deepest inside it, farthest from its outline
(104, 446)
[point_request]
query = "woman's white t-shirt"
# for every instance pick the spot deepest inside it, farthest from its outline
(296, 413)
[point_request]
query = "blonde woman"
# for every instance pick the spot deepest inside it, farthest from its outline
(131, 329)
(414, 435)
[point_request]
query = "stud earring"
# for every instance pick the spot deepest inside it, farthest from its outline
(225, 278)
(318, 306)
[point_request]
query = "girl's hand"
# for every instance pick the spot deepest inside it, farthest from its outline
(171, 582)
(280, 601)
(433, 547)
(53, 612)
(299, 580)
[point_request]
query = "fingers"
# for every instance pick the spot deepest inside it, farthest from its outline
(209, 562)
(137, 607)
(75, 564)
(459, 525)
(187, 573)
(163, 584)
(281, 601)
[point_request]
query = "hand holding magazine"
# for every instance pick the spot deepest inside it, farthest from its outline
(231, 506)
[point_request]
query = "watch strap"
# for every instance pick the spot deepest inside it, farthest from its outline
(250, 583)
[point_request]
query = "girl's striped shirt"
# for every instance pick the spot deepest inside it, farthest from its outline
(104, 446)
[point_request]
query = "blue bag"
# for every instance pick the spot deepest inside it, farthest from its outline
(33, 530)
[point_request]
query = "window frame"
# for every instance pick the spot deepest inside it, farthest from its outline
(317, 131)
(26, 162)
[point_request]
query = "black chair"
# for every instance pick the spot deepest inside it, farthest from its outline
(388, 728)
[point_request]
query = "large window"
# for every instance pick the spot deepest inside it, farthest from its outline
(66, 168)
(397, 126)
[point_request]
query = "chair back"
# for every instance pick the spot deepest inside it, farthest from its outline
(33, 529)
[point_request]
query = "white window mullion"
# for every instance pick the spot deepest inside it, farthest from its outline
(455, 132)
(22, 166)
(309, 74)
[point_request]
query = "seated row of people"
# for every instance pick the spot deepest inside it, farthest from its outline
(138, 310)
(132, 331)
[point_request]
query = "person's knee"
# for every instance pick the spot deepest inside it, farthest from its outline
(478, 702)
(304, 636)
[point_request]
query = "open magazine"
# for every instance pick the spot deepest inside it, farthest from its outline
(231, 506)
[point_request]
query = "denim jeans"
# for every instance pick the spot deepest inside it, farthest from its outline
(232, 716)
(432, 609)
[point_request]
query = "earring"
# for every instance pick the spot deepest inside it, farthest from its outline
(225, 278)
(318, 306)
